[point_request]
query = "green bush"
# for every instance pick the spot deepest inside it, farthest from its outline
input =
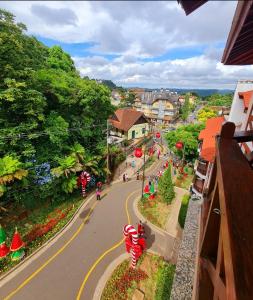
(183, 210)
(164, 281)
(166, 187)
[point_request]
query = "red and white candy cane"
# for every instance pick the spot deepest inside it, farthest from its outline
(160, 173)
(129, 230)
(85, 179)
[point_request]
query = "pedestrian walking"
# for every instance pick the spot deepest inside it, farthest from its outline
(98, 194)
(149, 181)
(124, 177)
(158, 154)
(141, 229)
(138, 175)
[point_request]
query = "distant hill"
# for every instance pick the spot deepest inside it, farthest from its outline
(200, 92)
(203, 92)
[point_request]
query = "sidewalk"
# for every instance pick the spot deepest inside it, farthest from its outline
(126, 166)
(172, 222)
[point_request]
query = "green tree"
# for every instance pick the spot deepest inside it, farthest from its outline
(166, 187)
(188, 134)
(206, 113)
(185, 109)
(220, 100)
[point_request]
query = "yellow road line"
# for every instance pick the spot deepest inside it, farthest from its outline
(52, 257)
(106, 252)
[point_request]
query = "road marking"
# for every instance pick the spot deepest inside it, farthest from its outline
(24, 283)
(106, 252)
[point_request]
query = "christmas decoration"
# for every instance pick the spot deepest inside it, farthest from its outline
(146, 191)
(138, 152)
(2, 235)
(4, 250)
(152, 191)
(132, 243)
(17, 246)
(158, 135)
(83, 180)
(179, 145)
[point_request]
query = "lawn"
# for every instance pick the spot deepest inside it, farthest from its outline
(155, 211)
(153, 277)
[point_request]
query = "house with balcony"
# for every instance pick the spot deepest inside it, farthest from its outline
(215, 256)
(204, 164)
(160, 107)
(129, 124)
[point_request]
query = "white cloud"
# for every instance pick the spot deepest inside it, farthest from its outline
(196, 72)
(136, 30)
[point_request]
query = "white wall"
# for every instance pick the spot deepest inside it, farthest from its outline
(237, 114)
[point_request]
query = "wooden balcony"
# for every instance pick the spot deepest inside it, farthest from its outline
(202, 168)
(225, 262)
(198, 185)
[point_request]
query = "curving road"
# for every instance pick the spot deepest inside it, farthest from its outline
(71, 267)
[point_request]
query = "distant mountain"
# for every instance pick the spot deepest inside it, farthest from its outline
(203, 92)
(200, 92)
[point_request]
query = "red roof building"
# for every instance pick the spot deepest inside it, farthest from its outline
(207, 135)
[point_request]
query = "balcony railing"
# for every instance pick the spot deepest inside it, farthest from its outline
(198, 185)
(202, 168)
(225, 263)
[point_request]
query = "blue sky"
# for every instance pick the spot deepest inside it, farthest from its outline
(137, 43)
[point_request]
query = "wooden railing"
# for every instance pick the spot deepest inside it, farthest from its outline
(225, 264)
(198, 185)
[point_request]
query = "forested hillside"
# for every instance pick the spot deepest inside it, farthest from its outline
(52, 122)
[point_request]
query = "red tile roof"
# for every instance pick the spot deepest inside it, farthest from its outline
(213, 127)
(246, 96)
(124, 119)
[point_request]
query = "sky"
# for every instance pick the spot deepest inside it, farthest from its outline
(138, 43)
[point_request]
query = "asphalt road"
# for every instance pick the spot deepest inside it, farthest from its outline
(66, 270)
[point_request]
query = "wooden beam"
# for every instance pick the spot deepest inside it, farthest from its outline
(235, 179)
(243, 136)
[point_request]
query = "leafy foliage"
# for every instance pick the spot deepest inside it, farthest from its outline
(206, 113)
(183, 210)
(220, 100)
(188, 134)
(185, 109)
(164, 281)
(49, 115)
(166, 187)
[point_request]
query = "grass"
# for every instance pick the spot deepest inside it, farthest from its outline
(183, 182)
(156, 284)
(183, 210)
(38, 216)
(155, 211)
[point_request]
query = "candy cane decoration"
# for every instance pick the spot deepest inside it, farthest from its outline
(160, 173)
(85, 178)
(130, 230)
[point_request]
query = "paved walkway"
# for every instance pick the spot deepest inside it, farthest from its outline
(71, 267)
(172, 223)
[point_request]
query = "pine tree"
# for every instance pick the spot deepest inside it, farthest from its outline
(166, 187)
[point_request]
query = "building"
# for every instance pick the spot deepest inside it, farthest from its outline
(129, 124)
(192, 99)
(158, 106)
(215, 260)
(115, 98)
(204, 164)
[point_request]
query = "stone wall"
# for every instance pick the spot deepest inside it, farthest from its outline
(184, 276)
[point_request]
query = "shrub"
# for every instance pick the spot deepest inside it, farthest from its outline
(164, 281)
(183, 210)
(166, 187)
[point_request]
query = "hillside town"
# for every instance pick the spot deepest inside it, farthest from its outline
(121, 188)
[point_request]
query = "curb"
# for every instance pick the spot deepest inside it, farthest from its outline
(144, 220)
(109, 271)
(25, 262)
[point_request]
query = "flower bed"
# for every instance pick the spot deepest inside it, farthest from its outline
(153, 276)
(39, 227)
